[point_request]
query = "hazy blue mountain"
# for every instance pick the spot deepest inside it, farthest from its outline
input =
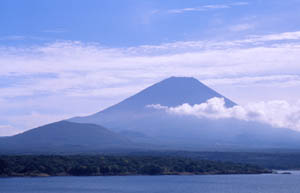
(64, 137)
(134, 120)
(170, 92)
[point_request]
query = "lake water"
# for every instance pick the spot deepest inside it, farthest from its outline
(270, 183)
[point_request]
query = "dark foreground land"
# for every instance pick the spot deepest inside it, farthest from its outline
(96, 165)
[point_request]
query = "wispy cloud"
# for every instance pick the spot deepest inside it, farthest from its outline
(13, 37)
(241, 27)
(239, 3)
(202, 8)
(275, 113)
(283, 80)
(206, 7)
(20, 37)
(266, 40)
(277, 37)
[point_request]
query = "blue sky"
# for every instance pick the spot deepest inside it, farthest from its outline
(136, 22)
(60, 59)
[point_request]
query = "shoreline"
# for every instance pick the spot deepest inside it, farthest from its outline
(170, 174)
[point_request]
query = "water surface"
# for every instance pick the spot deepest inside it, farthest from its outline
(270, 183)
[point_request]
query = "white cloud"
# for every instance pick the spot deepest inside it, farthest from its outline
(276, 113)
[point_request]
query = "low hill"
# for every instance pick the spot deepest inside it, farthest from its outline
(62, 137)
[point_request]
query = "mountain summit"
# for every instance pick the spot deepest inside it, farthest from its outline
(171, 92)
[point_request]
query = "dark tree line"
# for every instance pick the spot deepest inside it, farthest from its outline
(277, 160)
(84, 165)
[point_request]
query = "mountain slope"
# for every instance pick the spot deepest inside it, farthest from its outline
(63, 137)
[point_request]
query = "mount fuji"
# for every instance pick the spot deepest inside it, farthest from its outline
(134, 119)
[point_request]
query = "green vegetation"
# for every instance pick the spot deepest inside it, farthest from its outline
(92, 165)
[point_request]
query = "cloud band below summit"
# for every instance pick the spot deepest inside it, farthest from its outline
(276, 113)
